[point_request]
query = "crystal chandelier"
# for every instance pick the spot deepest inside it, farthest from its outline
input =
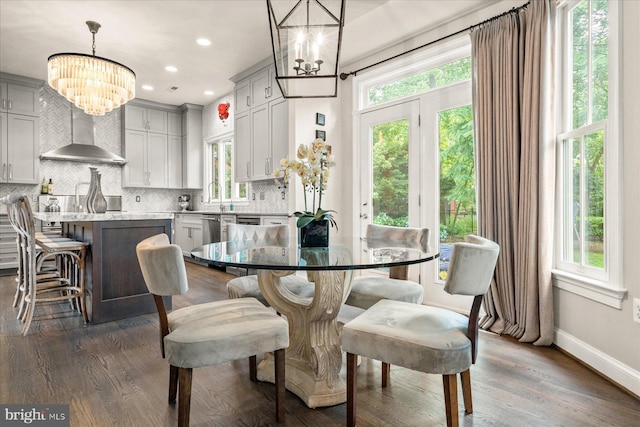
(94, 84)
(306, 37)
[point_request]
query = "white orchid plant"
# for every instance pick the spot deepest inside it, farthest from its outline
(312, 166)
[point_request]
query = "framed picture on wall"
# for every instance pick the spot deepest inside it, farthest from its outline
(320, 119)
(321, 134)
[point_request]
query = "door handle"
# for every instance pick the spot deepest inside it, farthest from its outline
(248, 104)
(189, 233)
(266, 92)
(4, 171)
(4, 103)
(10, 105)
(10, 170)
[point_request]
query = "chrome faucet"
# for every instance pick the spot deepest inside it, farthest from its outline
(77, 206)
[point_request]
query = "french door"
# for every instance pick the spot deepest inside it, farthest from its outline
(389, 166)
(416, 169)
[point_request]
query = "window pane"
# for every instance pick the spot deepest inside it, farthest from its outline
(215, 189)
(575, 253)
(457, 180)
(579, 24)
(600, 60)
(594, 199)
(227, 170)
(446, 74)
(584, 232)
(589, 23)
(390, 173)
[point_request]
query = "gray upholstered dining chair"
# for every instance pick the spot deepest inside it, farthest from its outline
(245, 236)
(367, 290)
(207, 334)
(423, 338)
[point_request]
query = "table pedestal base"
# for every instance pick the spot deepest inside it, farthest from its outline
(314, 356)
(303, 383)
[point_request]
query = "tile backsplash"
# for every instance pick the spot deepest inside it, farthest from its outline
(55, 131)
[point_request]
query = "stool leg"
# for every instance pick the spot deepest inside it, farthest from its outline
(465, 379)
(174, 373)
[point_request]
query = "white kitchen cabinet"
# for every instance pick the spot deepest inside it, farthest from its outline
(192, 146)
(256, 89)
(188, 232)
(147, 159)
(152, 145)
(261, 140)
(146, 119)
(19, 99)
(174, 162)
(242, 95)
(274, 220)
(242, 147)
(19, 132)
(174, 124)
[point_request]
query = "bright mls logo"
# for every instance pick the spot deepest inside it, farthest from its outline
(35, 415)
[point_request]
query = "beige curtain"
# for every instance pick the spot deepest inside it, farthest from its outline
(515, 151)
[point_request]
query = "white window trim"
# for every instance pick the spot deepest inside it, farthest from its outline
(209, 143)
(609, 291)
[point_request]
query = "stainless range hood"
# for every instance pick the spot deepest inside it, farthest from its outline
(82, 147)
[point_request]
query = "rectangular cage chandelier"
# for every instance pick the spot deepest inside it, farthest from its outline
(306, 37)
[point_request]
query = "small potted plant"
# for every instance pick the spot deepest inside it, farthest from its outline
(312, 165)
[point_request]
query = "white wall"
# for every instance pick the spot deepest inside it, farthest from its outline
(603, 337)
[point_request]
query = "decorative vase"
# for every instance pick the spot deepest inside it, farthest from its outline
(99, 202)
(92, 190)
(314, 235)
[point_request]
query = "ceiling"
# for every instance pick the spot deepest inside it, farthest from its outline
(149, 35)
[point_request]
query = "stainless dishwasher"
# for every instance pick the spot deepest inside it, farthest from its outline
(211, 230)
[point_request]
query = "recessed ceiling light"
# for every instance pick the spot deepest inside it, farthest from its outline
(171, 68)
(208, 92)
(147, 87)
(204, 42)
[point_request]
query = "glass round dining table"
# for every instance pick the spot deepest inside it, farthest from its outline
(314, 356)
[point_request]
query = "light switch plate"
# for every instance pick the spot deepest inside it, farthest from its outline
(636, 310)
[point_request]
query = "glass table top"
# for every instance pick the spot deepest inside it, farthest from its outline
(342, 254)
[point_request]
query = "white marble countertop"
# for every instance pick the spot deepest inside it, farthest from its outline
(108, 216)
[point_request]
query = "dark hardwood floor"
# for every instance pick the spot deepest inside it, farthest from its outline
(112, 374)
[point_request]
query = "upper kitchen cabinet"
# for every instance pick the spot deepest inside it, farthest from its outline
(262, 130)
(146, 119)
(19, 130)
(192, 146)
(148, 146)
(256, 89)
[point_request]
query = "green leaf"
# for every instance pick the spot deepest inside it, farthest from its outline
(303, 220)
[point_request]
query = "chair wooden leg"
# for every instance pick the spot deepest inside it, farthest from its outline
(451, 399)
(465, 379)
(253, 372)
(173, 383)
(386, 371)
(351, 389)
(184, 397)
(280, 383)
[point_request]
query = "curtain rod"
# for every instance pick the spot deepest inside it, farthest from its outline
(344, 76)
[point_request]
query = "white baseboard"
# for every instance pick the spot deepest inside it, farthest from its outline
(601, 362)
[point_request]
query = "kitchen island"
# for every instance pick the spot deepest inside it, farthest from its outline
(114, 282)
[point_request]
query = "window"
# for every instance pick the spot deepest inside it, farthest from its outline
(588, 145)
(432, 78)
(221, 186)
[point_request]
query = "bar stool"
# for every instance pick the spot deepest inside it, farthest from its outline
(36, 284)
